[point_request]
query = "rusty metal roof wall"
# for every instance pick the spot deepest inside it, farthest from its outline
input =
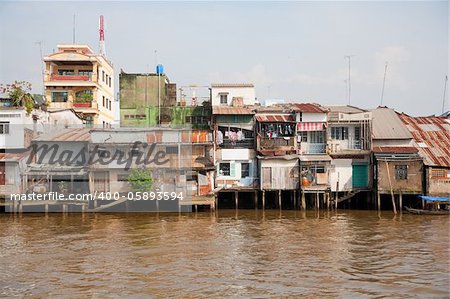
(432, 137)
(79, 134)
(13, 157)
(222, 110)
(395, 149)
(309, 107)
(274, 118)
(387, 125)
(220, 85)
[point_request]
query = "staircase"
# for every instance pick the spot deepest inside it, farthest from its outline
(112, 204)
(348, 196)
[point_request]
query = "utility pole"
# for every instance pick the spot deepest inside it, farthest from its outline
(384, 82)
(443, 98)
(349, 57)
(42, 64)
(73, 30)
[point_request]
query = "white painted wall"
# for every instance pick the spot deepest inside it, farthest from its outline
(46, 122)
(247, 93)
(314, 117)
(342, 172)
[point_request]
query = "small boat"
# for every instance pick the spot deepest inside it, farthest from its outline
(427, 212)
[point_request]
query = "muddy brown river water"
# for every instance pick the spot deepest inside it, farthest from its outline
(243, 254)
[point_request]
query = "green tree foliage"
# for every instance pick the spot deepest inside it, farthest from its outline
(19, 92)
(140, 179)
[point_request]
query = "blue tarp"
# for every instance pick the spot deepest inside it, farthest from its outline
(434, 198)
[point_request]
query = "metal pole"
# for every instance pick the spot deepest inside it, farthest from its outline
(384, 82)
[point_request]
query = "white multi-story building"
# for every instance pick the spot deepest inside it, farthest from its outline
(77, 78)
(233, 94)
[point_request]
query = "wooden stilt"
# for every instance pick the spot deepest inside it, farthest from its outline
(303, 201)
(196, 208)
(255, 196)
(392, 190)
(264, 199)
(295, 199)
(236, 199)
(400, 199)
(379, 201)
(46, 208)
(328, 200)
(336, 200)
(317, 200)
(279, 199)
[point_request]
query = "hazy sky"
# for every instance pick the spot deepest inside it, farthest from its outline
(289, 50)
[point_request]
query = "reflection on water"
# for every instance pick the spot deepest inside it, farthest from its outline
(243, 254)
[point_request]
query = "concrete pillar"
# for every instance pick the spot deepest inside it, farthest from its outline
(400, 199)
(236, 199)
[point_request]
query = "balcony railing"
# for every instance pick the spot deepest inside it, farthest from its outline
(70, 78)
(349, 144)
(266, 142)
(246, 143)
(314, 148)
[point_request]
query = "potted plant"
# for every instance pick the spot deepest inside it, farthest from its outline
(83, 100)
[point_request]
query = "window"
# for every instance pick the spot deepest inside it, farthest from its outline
(110, 103)
(103, 101)
(4, 127)
(103, 76)
(339, 133)
(172, 150)
(401, 172)
(223, 99)
(58, 96)
(89, 121)
(304, 136)
(122, 177)
(85, 73)
(107, 103)
(224, 169)
(66, 72)
(109, 81)
(317, 137)
(245, 170)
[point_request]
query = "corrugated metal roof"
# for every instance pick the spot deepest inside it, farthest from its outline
(221, 110)
(82, 134)
(219, 85)
(12, 157)
(274, 118)
(387, 125)
(432, 138)
(345, 109)
(395, 149)
(309, 107)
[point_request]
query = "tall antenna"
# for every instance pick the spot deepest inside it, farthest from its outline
(346, 88)
(42, 64)
(156, 58)
(443, 98)
(349, 57)
(384, 82)
(101, 29)
(73, 30)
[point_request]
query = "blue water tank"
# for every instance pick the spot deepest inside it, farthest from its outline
(159, 69)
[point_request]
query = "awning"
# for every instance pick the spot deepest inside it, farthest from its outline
(434, 198)
(311, 126)
(314, 158)
(280, 118)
